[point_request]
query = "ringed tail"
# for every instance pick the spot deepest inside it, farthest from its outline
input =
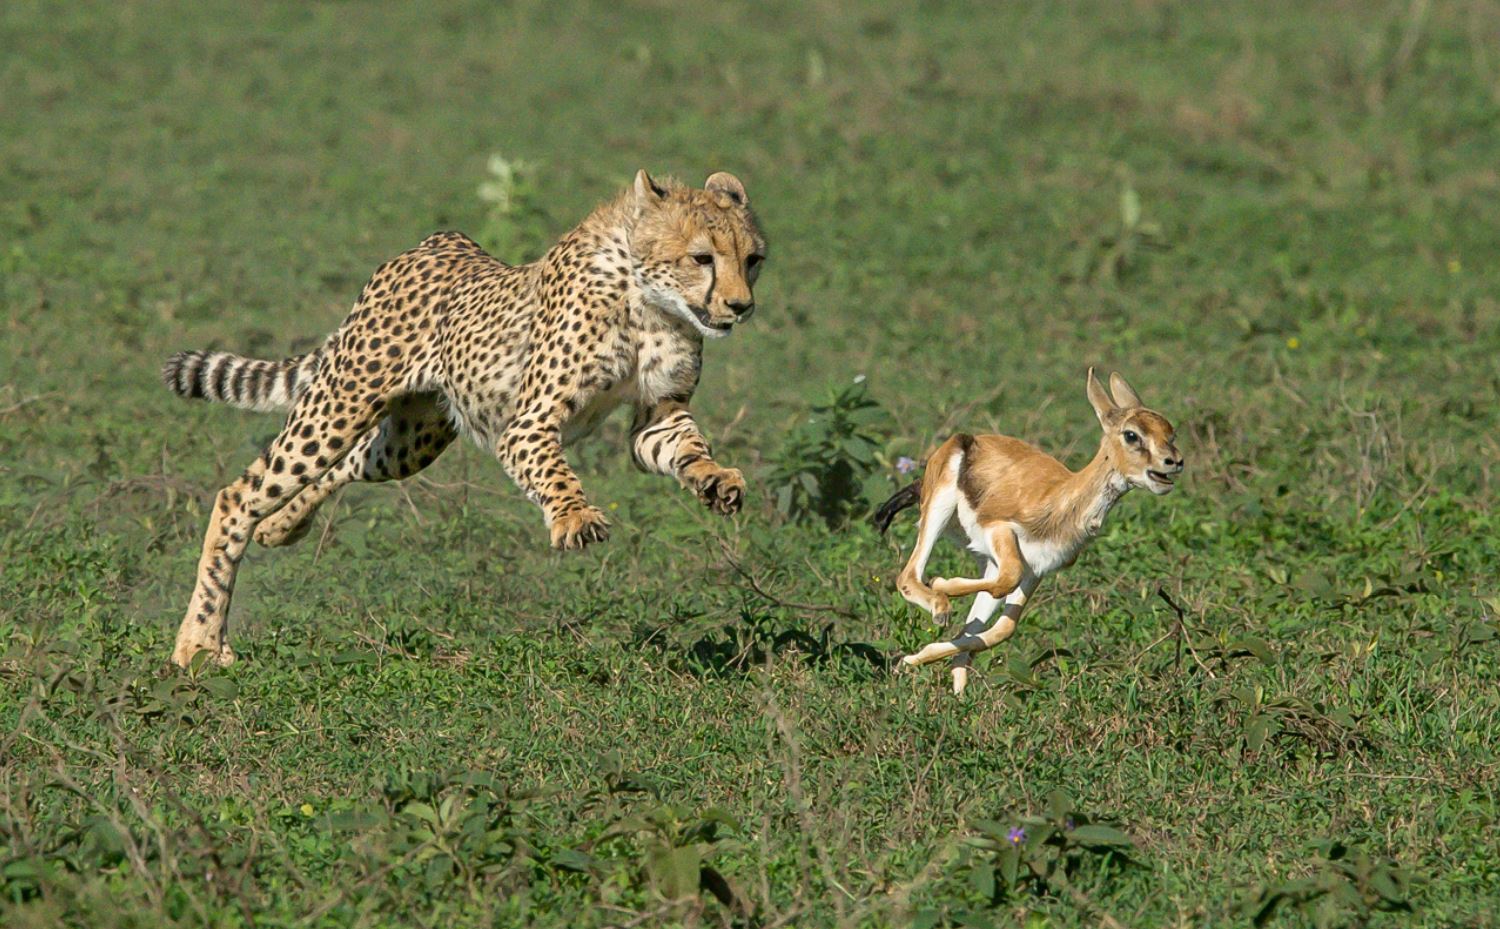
(247, 383)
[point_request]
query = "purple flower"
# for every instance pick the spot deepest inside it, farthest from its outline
(1016, 835)
(905, 465)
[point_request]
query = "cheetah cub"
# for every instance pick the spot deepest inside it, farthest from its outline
(445, 340)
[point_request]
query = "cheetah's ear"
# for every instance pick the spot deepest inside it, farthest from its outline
(727, 184)
(646, 189)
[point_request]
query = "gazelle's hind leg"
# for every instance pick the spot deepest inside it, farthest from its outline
(980, 611)
(1007, 577)
(310, 444)
(939, 504)
(409, 439)
(972, 641)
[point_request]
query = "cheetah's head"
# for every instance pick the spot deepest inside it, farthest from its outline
(697, 252)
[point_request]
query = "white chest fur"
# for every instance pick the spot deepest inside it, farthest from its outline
(1043, 556)
(645, 366)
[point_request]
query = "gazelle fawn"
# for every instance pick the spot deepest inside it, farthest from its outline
(1023, 514)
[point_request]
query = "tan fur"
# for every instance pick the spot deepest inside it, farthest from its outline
(446, 340)
(1025, 514)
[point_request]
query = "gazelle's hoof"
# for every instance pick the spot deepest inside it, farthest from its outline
(960, 680)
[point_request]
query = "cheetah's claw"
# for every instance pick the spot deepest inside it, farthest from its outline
(723, 491)
(583, 526)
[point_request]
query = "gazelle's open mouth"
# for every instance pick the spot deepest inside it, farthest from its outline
(1161, 477)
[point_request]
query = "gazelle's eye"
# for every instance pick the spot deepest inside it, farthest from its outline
(1131, 437)
(704, 259)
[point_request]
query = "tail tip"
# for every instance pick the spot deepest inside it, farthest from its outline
(171, 373)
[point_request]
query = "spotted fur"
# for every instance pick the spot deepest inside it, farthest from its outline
(445, 340)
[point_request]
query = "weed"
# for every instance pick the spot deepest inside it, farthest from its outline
(820, 471)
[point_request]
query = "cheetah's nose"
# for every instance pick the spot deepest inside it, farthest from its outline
(741, 308)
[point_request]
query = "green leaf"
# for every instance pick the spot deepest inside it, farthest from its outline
(673, 871)
(1059, 804)
(220, 688)
(439, 871)
(717, 814)
(1384, 884)
(570, 859)
(1009, 861)
(1254, 646)
(1257, 729)
(926, 919)
(1100, 835)
(982, 879)
(990, 827)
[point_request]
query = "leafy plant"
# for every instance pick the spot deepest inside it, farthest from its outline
(1113, 253)
(1328, 729)
(1346, 886)
(1040, 855)
(820, 470)
(516, 228)
(443, 830)
(674, 850)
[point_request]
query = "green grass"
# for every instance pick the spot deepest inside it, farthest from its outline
(439, 722)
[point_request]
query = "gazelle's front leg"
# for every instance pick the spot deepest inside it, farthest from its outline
(664, 439)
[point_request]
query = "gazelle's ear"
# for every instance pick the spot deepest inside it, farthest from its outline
(1099, 398)
(727, 184)
(647, 190)
(1123, 393)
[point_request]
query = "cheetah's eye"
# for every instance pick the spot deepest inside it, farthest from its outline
(1131, 438)
(706, 258)
(754, 261)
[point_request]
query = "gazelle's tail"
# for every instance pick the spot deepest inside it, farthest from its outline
(903, 498)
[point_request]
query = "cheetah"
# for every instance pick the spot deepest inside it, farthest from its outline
(446, 340)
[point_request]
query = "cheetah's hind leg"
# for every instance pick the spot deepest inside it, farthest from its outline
(310, 444)
(409, 439)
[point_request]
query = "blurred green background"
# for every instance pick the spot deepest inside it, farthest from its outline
(1278, 220)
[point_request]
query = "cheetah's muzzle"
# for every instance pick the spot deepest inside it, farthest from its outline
(711, 323)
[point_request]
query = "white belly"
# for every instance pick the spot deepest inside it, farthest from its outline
(1041, 556)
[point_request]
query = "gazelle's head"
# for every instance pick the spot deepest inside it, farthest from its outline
(697, 251)
(1137, 441)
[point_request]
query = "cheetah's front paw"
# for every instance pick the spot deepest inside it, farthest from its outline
(721, 490)
(580, 527)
